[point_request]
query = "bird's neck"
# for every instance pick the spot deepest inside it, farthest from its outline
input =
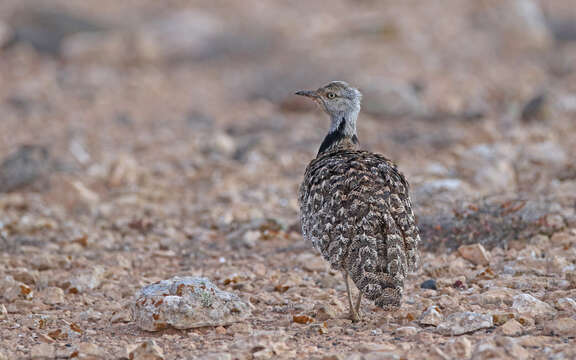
(342, 134)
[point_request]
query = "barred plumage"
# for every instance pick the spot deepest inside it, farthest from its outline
(355, 206)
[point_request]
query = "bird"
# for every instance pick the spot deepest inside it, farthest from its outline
(355, 206)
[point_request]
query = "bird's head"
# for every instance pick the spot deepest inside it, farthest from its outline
(337, 98)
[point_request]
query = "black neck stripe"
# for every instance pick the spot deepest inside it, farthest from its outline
(335, 137)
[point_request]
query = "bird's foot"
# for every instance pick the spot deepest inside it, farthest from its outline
(355, 316)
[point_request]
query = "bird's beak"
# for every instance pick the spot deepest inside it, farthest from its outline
(308, 93)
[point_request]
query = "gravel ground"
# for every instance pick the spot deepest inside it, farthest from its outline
(142, 141)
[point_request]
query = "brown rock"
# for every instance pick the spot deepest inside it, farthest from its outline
(147, 350)
(475, 253)
(511, 328)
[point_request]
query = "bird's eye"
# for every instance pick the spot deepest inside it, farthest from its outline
(330, 95)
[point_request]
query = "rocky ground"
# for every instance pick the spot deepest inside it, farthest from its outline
(143, 140)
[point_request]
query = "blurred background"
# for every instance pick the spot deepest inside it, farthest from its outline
(162, 137)
(187, 107)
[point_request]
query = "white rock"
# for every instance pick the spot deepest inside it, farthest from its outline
(475, 253)
(567, 304)
(406, 331)
(3, 312)
(431, 316)
(147, 350)
(528, 305)
(187, 302)
(87, 280)
(464, 322)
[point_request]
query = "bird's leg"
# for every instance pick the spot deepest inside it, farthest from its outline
(353, 312)
(357, 308)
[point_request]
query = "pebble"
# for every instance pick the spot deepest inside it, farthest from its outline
(87, 280)
(495, 296)
(431, 316)
(526, 304)
(429, 284)
(464, 322)
(512, 328)
(3, 312)
(52, 295)
(147, 350)
(475, 253)
(567, 304)
(186, 302)
(406, 331)
(323, 312)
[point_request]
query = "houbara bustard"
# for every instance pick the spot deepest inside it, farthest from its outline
(355, 206)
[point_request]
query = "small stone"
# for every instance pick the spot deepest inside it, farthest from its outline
(89, 351)
(18, 291)
(502, 318)
(147, 350)
(475, 253)
(187, 302)
(465, 322)
(42, 351)
(52, 295)
(87, 280)
(406, 331)
(495, 296)
(525, 304)
(429, 284)
(431, 316)
(323, 312)
(3, 312)
(459, 348)
(220, 330)
(512, 328)
(566, 304)
(561, 327)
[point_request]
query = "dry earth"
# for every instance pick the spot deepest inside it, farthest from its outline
(166, 142)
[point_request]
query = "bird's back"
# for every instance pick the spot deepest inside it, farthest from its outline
(356, 210)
